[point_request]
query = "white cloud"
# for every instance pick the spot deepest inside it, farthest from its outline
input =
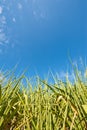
(3, 38)
(3, 20)
(0, 30)
(1, 10)
(19, 6)
(39, 14)
(6, 12)
(14, 20)
(39, 10)
(64, 75)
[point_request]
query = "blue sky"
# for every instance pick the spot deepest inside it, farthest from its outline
(39, 34)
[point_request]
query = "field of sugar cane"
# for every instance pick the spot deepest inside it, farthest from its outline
(43, 105)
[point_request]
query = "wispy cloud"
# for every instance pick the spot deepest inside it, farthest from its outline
(3, 38)
(9, 15)
(65, 75)
(39, 10)
(3, 35)
(13, 19)
(1, 9)
(19, 6)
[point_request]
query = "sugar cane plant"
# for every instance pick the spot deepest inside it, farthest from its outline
(43, 105)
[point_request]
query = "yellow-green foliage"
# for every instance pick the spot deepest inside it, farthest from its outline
(45, 106)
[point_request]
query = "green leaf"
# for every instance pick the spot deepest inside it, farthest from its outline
(85, 108)
(0, 91)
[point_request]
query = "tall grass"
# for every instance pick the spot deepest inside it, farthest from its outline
(44, 106)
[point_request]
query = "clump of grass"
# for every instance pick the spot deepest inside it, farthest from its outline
(45, 106)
